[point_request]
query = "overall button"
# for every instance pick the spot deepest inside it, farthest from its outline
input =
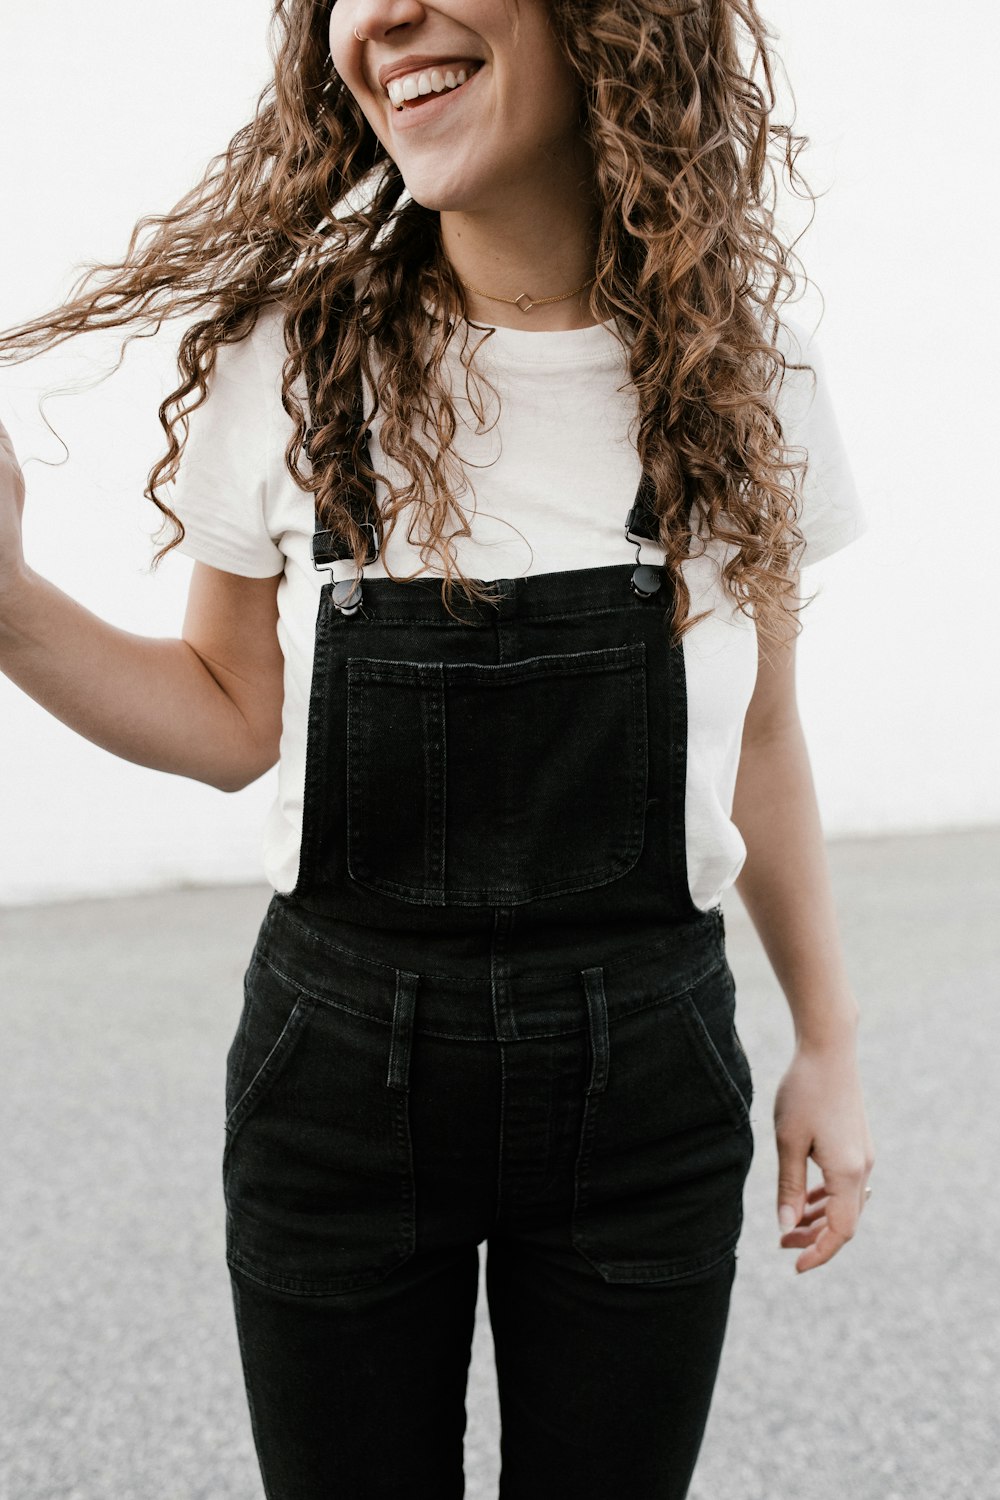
(646, 581)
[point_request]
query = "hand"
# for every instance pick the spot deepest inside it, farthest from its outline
(819, 1112)
(11, 512)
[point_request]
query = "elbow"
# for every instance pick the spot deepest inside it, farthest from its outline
(238, 778)
(234, 784)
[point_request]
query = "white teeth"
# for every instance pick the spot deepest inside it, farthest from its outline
(433, 82)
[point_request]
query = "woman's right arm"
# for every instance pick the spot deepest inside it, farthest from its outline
(207, 705)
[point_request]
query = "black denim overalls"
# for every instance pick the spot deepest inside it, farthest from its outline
(488, 1011)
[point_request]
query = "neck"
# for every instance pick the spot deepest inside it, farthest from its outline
(544, 244)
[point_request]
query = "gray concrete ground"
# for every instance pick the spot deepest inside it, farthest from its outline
(874, 1376)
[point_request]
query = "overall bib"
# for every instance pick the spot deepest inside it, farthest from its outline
(489, 1010)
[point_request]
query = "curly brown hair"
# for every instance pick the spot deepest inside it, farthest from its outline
(688, 262)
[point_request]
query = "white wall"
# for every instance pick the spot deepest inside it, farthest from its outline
(899, 682)
(108, 112)
(104, 117)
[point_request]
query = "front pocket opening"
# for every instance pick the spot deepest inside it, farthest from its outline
(270, 1067)
(718, 1069)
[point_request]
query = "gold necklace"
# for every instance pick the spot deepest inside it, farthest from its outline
(531, 301)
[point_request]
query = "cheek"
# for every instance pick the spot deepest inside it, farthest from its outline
(347, 63)
(548, 98)
(546, 116)
(340, 38)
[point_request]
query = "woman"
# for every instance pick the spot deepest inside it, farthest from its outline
(525, 736)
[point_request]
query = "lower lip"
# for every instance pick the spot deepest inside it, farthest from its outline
(406, 119)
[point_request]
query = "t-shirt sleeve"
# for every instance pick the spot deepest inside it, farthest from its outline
(229, 467)
(832, 515)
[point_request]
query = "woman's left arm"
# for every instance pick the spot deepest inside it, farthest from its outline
(785, 886)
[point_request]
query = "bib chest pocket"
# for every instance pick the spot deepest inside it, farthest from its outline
(479, 785)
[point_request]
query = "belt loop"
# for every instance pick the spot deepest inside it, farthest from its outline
(398, 1076)
(597, 1010)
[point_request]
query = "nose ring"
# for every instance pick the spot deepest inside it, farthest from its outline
(360, 38)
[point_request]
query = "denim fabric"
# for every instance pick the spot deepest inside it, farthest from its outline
(486, 761)
(528, 757)
(489, 1012)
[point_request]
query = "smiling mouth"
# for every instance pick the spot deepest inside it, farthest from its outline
(432, 83)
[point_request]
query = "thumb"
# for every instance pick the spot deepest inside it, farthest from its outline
(792, 1159)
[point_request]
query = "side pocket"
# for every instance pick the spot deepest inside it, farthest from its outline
(709, 1013)
(666, 1146)
(274, 1016)
(318, 1171)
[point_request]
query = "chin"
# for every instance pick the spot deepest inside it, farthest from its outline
(435, 198)
(435, 202)
(426, 188)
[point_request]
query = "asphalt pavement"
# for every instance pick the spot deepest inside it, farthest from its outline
(874, 1377)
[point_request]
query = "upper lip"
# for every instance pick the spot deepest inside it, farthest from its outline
(415, 62)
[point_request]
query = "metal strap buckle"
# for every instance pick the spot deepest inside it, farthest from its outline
(645, 580)
(641, 524)
(328, 548)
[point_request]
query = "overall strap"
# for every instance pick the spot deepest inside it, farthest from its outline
(327, 546)
(641, 525)
(641, 520)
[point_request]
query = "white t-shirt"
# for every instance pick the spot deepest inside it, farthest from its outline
(552, 495)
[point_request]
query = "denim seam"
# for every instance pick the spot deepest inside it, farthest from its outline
(597, 1014)
(404, 1146)
(273, 1064)
(275, 1281)
(487, 624)
(667, 1270)
(584, 880)
(500, 1131)
(567, 977)
(351, 1010)
(708, 1051)
(400, 1043)
(671, 997)
(606, 660)
(313, 937)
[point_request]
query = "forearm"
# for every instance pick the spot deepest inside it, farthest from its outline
(149, 700)
(785, 883)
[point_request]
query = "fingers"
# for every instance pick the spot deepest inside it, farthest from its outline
(791, 1185)
(816, 1200)
(829, 1222)
(812, 1220)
